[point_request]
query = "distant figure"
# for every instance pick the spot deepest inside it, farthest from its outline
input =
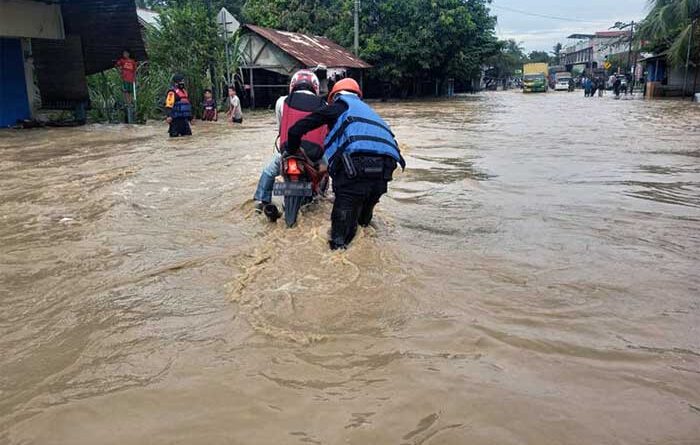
(127, 69)
(179, 108)
(587, 85)
(601, 86)
(616, 87)
(331, 82)
(594, 86)
(210, 113)
(234, 113)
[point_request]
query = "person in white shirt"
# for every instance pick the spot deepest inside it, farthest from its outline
(303, 99)
(234, 113)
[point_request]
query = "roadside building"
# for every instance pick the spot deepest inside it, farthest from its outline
(665, 80)
(270, 57)
(590, 51)
(48, 48)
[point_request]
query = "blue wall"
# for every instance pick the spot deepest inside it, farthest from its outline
(654, 74)
(13, 90)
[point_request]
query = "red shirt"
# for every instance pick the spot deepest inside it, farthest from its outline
(128, 69)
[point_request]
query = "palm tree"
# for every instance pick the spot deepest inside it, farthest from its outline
(671, 26)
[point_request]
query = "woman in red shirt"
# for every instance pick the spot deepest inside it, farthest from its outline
(127, 69)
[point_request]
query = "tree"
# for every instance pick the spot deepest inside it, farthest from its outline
(306, 16)
(187, 42)
(509, 58)
(556, 51)
(407, 41)
(539, 57)
(668, 27)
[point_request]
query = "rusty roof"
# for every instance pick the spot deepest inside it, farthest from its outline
(310, 51)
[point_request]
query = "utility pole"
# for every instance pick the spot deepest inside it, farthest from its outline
(687, 60)
(212, 70)
(228, 63)
(629, 58)
(357, 27)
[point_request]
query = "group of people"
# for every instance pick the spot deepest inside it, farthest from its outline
(355, 145)
(591, 85)
(179, 112)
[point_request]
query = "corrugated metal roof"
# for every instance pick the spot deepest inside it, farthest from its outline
(600, 35)
(148, 17)
(310, 51)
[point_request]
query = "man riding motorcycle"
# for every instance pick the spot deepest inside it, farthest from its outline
(303, 99)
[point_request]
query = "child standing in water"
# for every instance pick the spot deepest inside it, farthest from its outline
(210, 113)
(234, 113)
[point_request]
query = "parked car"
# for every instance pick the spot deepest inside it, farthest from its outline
(562, 83)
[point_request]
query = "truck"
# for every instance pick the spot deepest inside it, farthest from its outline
(535, 78)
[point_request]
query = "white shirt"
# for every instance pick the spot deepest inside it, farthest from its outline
(235, 107)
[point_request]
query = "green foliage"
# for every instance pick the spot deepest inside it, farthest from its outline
(151, 89)
(539, 57)
(668, 26)
(106, 97)
(407, 41)
(556, 52)
(307, 16)
(187, 42)
(509, 58)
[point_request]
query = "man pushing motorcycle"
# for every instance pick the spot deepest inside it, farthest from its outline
(362, 154)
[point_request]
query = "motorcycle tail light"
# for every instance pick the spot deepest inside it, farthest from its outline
(293, 167)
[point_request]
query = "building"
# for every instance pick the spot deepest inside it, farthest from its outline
(270, 57)
(591, 50)
(665, 80)
(48, 48)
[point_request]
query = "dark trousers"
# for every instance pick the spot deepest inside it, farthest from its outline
(180, 127)
(354, 204)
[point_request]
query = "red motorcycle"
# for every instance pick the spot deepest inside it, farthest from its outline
(303, 180)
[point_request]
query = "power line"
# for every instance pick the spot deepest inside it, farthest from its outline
(544, 16)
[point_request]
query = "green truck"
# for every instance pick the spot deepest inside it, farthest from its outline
(535, 78)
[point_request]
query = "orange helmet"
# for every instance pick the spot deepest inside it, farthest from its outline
(347, 84)
(304, 79)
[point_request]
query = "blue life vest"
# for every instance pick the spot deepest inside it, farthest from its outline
(182, 108)
(361, 130)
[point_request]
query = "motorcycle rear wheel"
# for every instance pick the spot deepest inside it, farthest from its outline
(292, 205)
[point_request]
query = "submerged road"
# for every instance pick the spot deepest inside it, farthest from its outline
(532, 278)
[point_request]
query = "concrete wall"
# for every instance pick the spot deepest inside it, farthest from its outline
(25, 18)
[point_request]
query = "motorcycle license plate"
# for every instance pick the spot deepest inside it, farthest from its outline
(293, 189)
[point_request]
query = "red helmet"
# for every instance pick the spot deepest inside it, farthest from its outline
(347, 84)
(305, 79)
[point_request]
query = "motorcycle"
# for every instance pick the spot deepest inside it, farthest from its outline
(302, 181)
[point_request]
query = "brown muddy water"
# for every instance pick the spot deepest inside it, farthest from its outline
(532, 278)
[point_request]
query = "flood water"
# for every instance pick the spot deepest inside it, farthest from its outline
(532, 278)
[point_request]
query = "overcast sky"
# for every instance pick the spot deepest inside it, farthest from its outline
(584, 16)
